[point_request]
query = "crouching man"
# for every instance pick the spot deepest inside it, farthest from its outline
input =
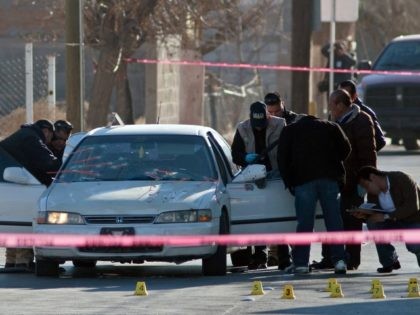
(399, 195)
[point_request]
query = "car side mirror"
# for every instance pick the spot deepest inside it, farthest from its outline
(251, 173)
(364, 65)
(19, 175)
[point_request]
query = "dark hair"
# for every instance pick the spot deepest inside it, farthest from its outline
(342, 96)
(348, 84)
(272, 98)
(63, 125)
(44, 124)
(365, 171)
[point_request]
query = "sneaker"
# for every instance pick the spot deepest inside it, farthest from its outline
(292, 269)
(396, 265)
(340, 267)
(323, 264)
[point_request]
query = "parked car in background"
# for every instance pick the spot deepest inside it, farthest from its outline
(396, 98)
(157, 180)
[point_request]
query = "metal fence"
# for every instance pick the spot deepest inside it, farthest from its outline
(12, 83)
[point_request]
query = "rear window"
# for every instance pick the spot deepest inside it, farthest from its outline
(151, 157)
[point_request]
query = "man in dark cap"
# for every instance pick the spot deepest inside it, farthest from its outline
(252, 139)
(28, 146)
(62, 132)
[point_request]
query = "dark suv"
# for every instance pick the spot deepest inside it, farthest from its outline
(396, 98)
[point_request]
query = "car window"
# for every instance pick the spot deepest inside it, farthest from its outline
(6, 161)
(224, 147)
(220, 161)
(400, 56)
(140, 157)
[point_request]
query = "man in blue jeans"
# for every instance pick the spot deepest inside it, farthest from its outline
(311, 163)
(397, 195)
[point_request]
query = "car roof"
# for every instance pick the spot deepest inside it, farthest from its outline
(152, 129)
(403, 38)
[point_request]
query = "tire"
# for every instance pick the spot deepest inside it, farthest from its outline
(215, 265)
(241, 257)
(410, 144)
(84, 263)
(46, 268)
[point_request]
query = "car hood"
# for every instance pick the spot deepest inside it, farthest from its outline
(124, 197)
(390, 79)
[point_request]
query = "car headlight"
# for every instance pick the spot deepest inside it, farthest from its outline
(184, 216)
(58, 217)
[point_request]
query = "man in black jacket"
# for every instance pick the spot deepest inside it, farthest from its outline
(279, 255)
(28, 146)
(310, 157)
(342, 60)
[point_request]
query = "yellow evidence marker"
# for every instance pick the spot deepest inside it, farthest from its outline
(336, 291)
(288, 292)
(141, 289)
(330, 284)
(413, 289)
(378, 292)
(411, 282)
(257, 288)
(374, 282)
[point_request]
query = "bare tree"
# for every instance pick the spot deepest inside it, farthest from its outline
(385, 19)
(116, 28)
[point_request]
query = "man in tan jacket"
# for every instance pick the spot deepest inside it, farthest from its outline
(398, 197)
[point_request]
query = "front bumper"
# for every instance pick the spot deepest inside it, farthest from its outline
(152, 253)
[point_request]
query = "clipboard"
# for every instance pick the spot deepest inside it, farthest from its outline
(367, 208)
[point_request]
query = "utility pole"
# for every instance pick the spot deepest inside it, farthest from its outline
(301, 48)
(74, 63)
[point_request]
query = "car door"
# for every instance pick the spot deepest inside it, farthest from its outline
(18, 204)
(264, 206)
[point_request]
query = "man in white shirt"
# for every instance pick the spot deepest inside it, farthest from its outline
(398, 196)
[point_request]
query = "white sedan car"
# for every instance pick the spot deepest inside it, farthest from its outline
(157, 180)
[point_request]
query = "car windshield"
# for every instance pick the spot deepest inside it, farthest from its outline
(400, 56)
(140, 157)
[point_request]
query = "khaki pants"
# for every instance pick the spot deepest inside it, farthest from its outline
(19, 255)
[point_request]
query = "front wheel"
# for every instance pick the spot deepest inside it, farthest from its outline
(215, 265)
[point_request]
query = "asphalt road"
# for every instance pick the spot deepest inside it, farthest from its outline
(181, 289)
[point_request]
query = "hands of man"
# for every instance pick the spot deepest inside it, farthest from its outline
(376, 217)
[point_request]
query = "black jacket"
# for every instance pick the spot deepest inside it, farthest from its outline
(312, 149)
(344, 61)
(289, 116)
(379, 134)
(27, 146)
